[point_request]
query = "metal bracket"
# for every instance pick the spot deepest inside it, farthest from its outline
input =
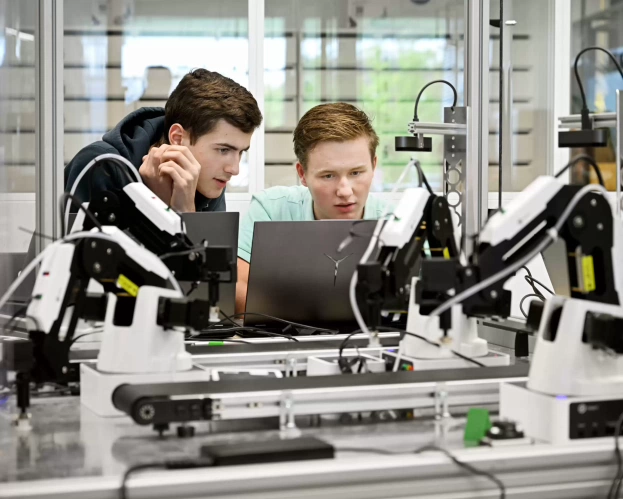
(287, 424)
(449, 127)
(442, 408)
(454, 154)
(605, 120)
(291, 370)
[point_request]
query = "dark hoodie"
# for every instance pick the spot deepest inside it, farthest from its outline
(132, 139)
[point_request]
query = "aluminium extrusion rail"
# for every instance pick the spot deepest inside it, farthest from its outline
(286, 398)
(527, 472)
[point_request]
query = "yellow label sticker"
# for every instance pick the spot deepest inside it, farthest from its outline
(127, 285)
(446, 253)
(588, 271)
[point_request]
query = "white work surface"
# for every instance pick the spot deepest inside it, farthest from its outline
(72, 454)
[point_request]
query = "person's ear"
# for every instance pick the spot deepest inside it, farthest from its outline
(301, 172)
(374, 162)
(177, 135)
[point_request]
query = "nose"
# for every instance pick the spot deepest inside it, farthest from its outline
(233, 168)
(344, 189)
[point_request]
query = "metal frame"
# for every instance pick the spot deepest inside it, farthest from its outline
(506, 98)
(315, 401)
(477, 99)
(559, 91)
(49, 117)
(256, 87)
(454, 155)
(544, 471)
(600, 120)
(49, 74)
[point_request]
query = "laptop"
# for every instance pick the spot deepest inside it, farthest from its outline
(219, 229)
(297, 274)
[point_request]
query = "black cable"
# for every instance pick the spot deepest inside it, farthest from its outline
(181, 464)
(615, 488)
(589, 160)
(193, 287)
(468, 467)
(577, 75)
(200, 340)
(35, 233)
(228, 318)
(19, 312)
(380, 329)
(123, 493)
(76, 202)
(422, 176)
(261, 332)
(532, 280)
(531, 295)
(295, 324)
(205, 334)
(195, 249)
(82, 336)
(454, 352)
(417, 101)
(343, 345)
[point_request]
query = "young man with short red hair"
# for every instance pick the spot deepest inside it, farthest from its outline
(335, 145)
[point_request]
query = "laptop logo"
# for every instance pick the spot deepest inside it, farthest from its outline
(337, 265)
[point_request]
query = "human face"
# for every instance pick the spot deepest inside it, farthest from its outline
(219, 153)
(339, 176)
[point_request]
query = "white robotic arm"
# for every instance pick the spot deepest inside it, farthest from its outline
(134, 280)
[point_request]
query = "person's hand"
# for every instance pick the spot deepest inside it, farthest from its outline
(160, 185)
(172, 172)
(179, 164)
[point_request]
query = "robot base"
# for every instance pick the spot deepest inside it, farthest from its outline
(97, 387)
(491, 359)
(560, 419)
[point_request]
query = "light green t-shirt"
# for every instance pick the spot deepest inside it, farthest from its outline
(285, 204)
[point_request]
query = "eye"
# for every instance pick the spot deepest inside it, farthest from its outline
(328, 176)
(356, 174)
(223, 150)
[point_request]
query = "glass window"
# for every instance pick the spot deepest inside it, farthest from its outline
(376, 54)
(17, 143)
(123, 55)
(597, 23)
(17, 130)
(532, 111)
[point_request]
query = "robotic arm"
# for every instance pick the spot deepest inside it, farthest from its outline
(384, 279)
(142, 299)
(547, 209)
(579, 337)
(137, 210)
(125, 270)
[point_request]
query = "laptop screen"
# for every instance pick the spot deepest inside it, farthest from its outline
(297, 273)
(219, 229)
